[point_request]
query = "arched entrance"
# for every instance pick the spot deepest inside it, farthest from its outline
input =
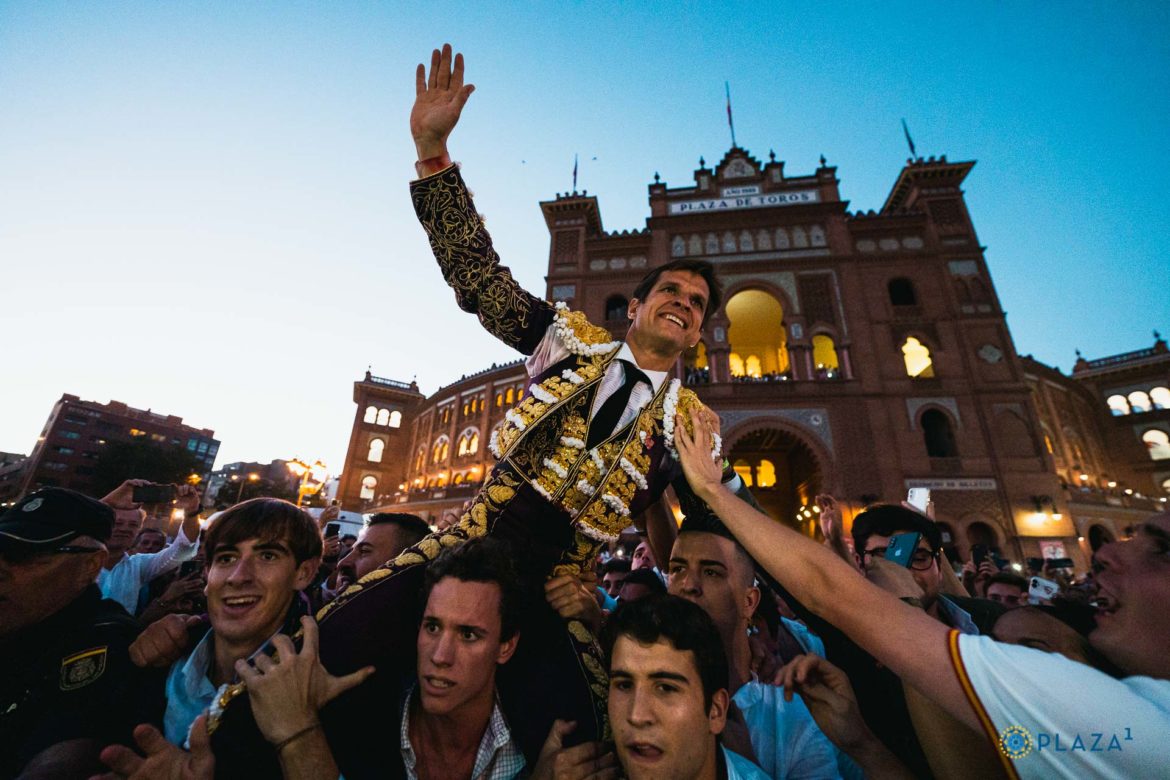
(979, 532)
(757, 337)
(783, 474)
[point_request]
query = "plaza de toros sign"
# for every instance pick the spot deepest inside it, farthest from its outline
(728, 203)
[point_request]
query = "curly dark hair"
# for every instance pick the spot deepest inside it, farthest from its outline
(485, 559)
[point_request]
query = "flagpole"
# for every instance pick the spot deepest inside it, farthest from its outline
(574, 173)
(730, 123)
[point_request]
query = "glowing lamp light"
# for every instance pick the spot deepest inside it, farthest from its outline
(1112, 483)
(1017, 567)
(1129, 491)
(1080, 538)
(1057, 516)
(1084, 477)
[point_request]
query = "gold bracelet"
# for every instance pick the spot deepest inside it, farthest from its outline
(289, 740)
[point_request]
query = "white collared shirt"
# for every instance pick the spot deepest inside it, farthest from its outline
(551, 350)
(498, 756)
(122, 582)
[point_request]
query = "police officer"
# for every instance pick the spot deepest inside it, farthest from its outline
(67, 687)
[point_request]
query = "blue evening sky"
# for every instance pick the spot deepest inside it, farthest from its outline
(203, 206)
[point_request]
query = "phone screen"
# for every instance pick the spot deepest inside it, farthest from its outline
(901, 548)
(332, 529)
(919, 498)
(154, 494)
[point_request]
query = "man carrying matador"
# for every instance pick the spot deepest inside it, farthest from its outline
(590, 446)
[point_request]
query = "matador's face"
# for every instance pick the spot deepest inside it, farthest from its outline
(671, 317)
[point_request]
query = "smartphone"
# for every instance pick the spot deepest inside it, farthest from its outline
(332, 529)
(1035, 564)
(979, 554)
(1059, 563)
(187, 569)
(1040, 590)
(1000, 562)
(919, 498)
(154, 494)
(901, 548)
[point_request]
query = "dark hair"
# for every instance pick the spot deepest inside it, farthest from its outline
(645, 577)
(413, 525)
(683, 624)
(699, 267)
(709, 523)
(485, 559)
(619, 565)
(144, 531)
(890, 519)
(1008, 578)
(268, 520)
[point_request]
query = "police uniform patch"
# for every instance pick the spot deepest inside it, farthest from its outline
(80, 669)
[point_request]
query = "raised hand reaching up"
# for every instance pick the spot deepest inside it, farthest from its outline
(438, 102)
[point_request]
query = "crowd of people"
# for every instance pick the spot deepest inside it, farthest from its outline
(517, 641)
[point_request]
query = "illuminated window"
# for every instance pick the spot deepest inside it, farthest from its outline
(473, 444)
(135, 432)
(395, 419)
(466, 408)
(756, 329)
(510, 396)
(375, 453)
(369, 485)
(736, 364)
(1160, 396)
(383, 416)
(917, 357)
(371, 414)
(938, 435)
(824, 353)
(1118, 406)
(902, 292)
(499, 399)
(767, 474)
(1158, 443)
(1139, 401)
(462, 448)
(458, 479)
(744, 470)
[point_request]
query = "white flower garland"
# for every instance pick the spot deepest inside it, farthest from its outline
(593, 533)
(540, 394)
(515, 419)
(635, 475)
(556, 468)
(573, 376)
(616, 504)
(569, 338)
(586, 487)
(572, 441)
(536, 486)
(597, 460)
(669, 409)
(494, 443)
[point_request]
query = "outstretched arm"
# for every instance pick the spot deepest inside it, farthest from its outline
(902, 637)
(458, 238)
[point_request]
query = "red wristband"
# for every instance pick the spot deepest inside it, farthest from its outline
(432, 165)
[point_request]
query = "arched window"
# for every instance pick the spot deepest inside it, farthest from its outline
(745, 242)
(499, 399)
(918, 362)
(816, 235)
(420, 458)
(678, 247)
(371, 414)
(902, 292)
(767, 474)
(375, 453)
(473, 444)
(763, 240)
(728, 242)
(1118, 406)
(458, 479)
(782, 239)
(1139, 401)
(744, 470)
(824, 355)
(799, 237)
(938, 434)
(712, 244)
(1158, 443)
(383, 417)
(695, 245)
(510, 396)
(616, 307)
(441, 449)
(369, 485)
(466, 408)
(395, 419)
(1160, 396)
(462, 449)
(756, 333)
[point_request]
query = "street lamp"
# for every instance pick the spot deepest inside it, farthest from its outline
(236, 478)
(317, 472)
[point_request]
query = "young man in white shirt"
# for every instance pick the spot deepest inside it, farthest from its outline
(1023, 699)
(124, 573)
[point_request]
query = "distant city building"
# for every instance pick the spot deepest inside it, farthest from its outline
(77, 432)
(223, 484)
(856, 353)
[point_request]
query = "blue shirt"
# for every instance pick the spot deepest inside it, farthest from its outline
(189, 690)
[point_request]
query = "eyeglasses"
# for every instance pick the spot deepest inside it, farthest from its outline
(26, 553)
(920, 561)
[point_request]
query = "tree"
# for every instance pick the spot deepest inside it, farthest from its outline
(141, 459)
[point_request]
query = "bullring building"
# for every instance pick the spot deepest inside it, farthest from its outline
(856, 353)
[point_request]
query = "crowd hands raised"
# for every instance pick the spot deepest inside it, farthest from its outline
(734, 647)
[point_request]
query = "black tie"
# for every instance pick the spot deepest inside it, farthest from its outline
(610, 412)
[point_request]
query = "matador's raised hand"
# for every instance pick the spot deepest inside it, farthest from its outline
(439, 99)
